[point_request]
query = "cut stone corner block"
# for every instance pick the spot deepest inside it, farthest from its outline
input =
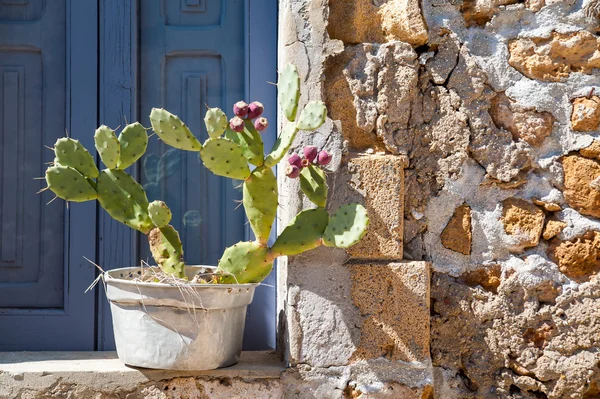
(394, 301)
(377, 182)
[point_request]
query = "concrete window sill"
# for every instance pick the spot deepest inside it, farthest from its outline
(103, 371)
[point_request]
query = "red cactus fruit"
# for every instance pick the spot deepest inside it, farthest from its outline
(236, 124)
(292, 171)
(310, 152)
(240, 109)
(295, 160)
(255, 109)
(261, 124)
(305, 163)
(323, 158)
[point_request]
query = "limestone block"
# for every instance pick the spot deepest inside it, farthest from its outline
(586, 114)
(377, 182)
(362, 21)
(523, 220)
(580, 174)
(592, 151)
(553, 228)
(394, 299)
(457, 234)
(579, 258)
(553, 58)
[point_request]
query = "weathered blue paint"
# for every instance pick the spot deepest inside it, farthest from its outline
(48, 72)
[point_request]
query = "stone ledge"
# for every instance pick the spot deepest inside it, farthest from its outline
(104, 372)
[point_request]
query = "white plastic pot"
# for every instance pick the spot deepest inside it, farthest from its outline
(160, 326)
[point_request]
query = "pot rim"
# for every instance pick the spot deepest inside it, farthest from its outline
(108, 278)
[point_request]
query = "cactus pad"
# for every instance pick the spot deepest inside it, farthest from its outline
(133, 140)
(159, 213)
(216, 122)
(107, 146)
(303, 233)
(282, 145)
(67, 183)
(314, 185)
(312, 116)
(346, 227)
(245, 262)
(260, 201)
(124, 199)
(167, 250)
(173, 131)
(69, 152)
(250, 141)
(223, 157)
(288, 88)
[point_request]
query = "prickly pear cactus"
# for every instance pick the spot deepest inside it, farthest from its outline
(230, 150)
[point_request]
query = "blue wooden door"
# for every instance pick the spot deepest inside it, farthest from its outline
(184, 55)
(47, 86)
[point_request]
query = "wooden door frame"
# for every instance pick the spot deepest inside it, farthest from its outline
(119, 84)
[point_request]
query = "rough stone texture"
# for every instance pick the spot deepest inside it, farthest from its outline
(579, 192)
(579, 258)
(586, 114)
(553, 228)
(377, 182)
(523, 220)
(530, 340)
(365, 21)
(394, 299)
(555, 57)
(483, 112)
(530, 126)
(457, 234)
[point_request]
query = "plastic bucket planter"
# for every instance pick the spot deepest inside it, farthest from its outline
(161, 326)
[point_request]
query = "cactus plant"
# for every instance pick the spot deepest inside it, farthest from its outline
(230, 149)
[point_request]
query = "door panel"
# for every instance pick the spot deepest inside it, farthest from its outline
(40, 302)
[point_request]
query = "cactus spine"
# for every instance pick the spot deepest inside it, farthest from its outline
(229, 152)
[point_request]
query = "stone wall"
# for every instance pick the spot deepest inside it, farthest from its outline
(467, 128)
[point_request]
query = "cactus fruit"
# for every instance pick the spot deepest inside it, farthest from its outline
(236, 124)
(124, 199)
(346, 227)
(167, 250)
(282, 145)
(255, 109)
(67, 183)
(216, 122)
(240, 109)
(314, 185)
(288, 88)
(173, 131)
(108, 146)
(250, 142)
(304, 163)
(323, 158)
(292, 171)
(312, 116)
(261, 124)
(245, 262)
(69, 152)
(303, 233)
(223, 157)
(260, 201)
(159, 213)
(133, 141)
(310, 152)
(295, 160)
